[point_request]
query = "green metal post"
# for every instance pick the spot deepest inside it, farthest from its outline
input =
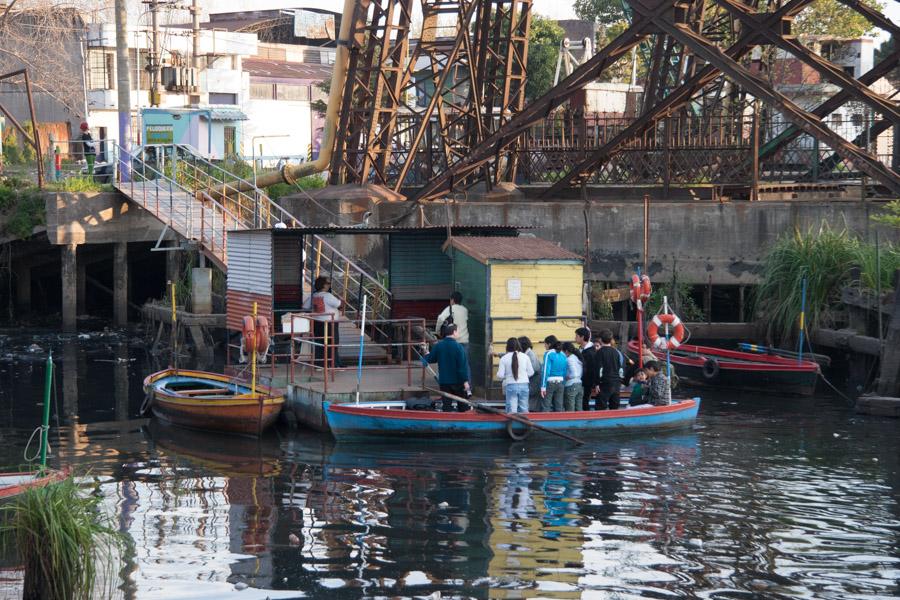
(45, 424)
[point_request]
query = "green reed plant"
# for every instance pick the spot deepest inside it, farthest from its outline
(68, 547)
(825, 256)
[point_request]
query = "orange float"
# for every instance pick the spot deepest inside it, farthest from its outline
(676, 332)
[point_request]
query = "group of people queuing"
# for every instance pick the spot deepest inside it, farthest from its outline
(588, 374)
(585, 375)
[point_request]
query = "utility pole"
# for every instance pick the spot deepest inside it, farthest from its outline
(156, 60)
(195, 31)
(123, 85)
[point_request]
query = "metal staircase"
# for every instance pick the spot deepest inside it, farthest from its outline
(201, 202)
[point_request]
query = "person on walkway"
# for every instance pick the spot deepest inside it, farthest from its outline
(639, 388)
(326, 306)
(573, 392)
(660, 392)
(453, 367)
(588, 352)
(534, 382)
(88, 148)
(514, 371)
(553, 376)
(610, 371)
(455, 314)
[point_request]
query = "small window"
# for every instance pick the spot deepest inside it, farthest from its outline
(222, 98)
(837, 119)
(849, 71)
(857, 119)
(262, 91)
(546, 306)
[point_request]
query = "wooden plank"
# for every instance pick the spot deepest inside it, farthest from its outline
(846, 339)
(890, 358)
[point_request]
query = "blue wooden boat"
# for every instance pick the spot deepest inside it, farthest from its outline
(390, 420)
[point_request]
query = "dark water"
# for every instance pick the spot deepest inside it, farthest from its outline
(764, 498)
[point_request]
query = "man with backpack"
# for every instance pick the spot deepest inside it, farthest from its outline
(455, 314)
(609, 364)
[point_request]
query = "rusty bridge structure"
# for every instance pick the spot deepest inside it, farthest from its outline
(440, 110)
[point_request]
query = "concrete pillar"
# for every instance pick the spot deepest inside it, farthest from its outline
(201, 291)
(69, 270)
(120, 381)
(120, 284)
(81, 287)
(23, 289)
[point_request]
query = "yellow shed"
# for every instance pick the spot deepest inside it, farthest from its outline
(514, 287)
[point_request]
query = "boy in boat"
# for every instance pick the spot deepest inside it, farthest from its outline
(453, 367)
(610, 372)
(660, 393)
(639, 389)
(583, 341)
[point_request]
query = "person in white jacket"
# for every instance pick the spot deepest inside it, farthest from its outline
(514, 371)
(457, 314)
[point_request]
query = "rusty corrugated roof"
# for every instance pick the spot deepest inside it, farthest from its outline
(484, 249)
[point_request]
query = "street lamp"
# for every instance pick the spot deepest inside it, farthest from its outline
(253, 149)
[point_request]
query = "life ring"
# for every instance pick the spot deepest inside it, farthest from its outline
(676, 333)
(262, 337)
(518, 436)
(646, 288)
(248, 333)
(640, 288)
(710, 368)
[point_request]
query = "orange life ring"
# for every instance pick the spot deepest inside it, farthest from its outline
(262, 334)
(676, 333)
(249, 334)
(635, 288)
(646, 288)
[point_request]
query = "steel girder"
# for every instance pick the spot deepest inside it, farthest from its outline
(668, 18)
(469, 64)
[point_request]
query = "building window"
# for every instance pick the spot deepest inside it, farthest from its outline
(222, 98)
(101, 70)
(857, 119)
(849, 71)
(546, 306)
(230, 137)
(837, 119)
(292, 92)
(262, 91)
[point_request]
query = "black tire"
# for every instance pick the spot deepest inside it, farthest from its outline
(518, 436)
(710, 369)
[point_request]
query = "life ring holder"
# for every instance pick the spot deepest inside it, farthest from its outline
(520, 435)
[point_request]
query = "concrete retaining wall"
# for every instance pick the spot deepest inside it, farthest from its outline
(702, 239)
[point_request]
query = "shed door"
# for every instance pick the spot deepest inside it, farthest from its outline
(249, 276)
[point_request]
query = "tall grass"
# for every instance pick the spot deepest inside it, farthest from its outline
(826, 257)
(68, 548)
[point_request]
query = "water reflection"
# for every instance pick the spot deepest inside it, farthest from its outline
(764, 499)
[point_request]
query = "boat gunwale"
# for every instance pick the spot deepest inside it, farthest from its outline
(476, 417)
(269, 395)
(752, 362)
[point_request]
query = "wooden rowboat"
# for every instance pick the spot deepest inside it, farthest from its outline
(735, 370)
(389, 420)
(13, 484)
(212, 402)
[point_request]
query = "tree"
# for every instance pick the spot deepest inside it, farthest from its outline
(831, 17)
(543, 54)
(604, 12)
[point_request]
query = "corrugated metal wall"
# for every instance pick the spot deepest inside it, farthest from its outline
(249, 276)
(419, 268)
(471, 282)
(288, 271)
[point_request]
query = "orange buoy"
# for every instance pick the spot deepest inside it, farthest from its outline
(646, 288)
(248, 332)
(676, 333)
(262, 334)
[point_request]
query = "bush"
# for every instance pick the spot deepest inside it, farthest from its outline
(23, 208)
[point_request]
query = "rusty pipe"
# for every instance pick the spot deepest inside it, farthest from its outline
(291, 173)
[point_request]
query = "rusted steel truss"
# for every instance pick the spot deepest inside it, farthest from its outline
(689, 61)
(462, 80)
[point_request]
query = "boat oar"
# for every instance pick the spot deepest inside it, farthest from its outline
(510, 416)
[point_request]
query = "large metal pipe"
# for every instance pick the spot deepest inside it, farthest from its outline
(291, 173)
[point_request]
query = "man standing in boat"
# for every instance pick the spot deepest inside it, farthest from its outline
(610, 371)
(453, 367)
(588, 352)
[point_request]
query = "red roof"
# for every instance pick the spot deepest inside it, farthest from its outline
(485, 249)
(262, 67)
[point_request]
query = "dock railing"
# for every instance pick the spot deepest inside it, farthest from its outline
(394, 343)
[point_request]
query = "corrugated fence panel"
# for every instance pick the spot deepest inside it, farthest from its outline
(240, 305)
(419, 268)
(250, 261)
(288, 270)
